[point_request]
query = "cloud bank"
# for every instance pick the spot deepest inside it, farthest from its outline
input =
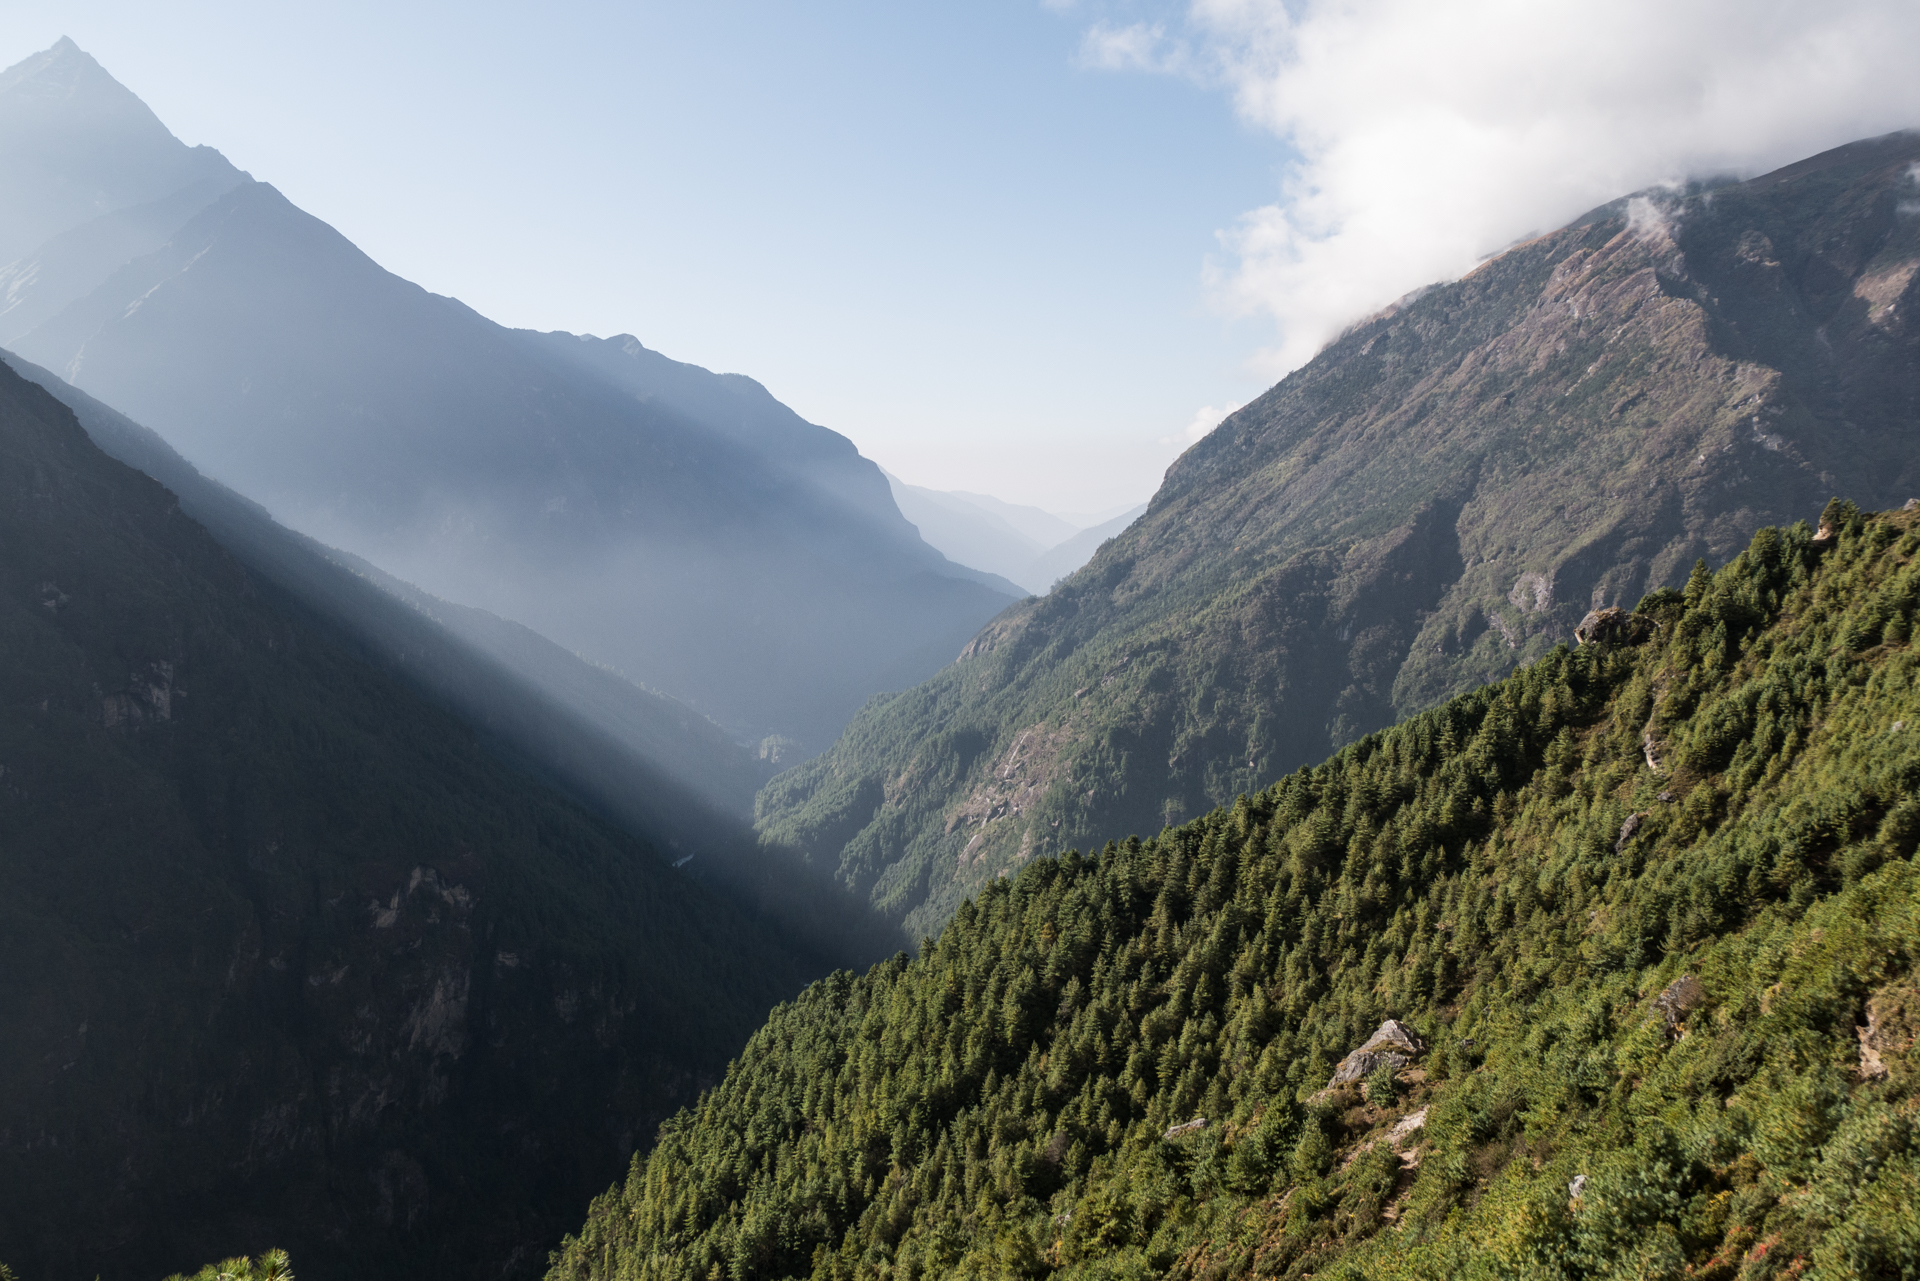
(1432, 133)
(1204, 420)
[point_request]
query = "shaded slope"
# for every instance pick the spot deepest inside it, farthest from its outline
(1438, 495)
(651, 764)
(292, 958)
(1662, 1019)
(661, 736)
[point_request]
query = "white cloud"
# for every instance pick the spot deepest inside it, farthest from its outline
(1138, 46)
(1205, 419)
(1432, 133)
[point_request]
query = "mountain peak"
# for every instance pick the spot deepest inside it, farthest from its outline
(60, 64)
(78, 144)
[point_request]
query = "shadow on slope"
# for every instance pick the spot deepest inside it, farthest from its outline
(654, 766)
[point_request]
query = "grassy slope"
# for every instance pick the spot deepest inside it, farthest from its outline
(1440, 494)
(290, 956)
(996, 1106)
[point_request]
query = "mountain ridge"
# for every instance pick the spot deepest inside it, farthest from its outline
(1443, 492)
(758, 569)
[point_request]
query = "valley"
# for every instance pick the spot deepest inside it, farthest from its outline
(500, 801)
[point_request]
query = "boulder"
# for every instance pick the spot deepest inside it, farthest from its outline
(1612, 626)
(1395, 1043)
(1681, 997)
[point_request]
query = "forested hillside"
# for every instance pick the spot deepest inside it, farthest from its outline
(1646, 914)
(1440, 494)
(291, 956)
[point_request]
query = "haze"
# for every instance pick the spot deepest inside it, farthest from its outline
(1030, 250)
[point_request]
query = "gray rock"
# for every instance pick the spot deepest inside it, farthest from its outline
(1612, 625)
(1681, 996)
(1395, 1043)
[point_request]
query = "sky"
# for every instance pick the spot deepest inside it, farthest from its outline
(1029, 248)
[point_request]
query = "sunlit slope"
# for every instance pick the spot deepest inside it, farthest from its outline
(1668, 1013)
(1441, 493)
(290, 957)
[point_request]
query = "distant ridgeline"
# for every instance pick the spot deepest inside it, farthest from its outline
(1440, 494)
(1637, 927)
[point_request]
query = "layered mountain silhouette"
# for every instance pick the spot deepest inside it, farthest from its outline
(293, 956)
(653, 765)
(1025, 545)
(1442, 493)
(682, 527)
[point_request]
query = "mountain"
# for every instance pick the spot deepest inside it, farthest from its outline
(1060, 560)
(681, 527)
(1043, 527)
(967, 532)
(1442, 493)
(650, 764)
(293, 956)
(1030, 547)
(484, 664)
(1605, 970)
(78, 148)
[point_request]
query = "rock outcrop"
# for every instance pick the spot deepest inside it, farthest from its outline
(1395, 1043)
(1612, 626)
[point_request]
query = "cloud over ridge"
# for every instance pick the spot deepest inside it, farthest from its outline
(1432, 134)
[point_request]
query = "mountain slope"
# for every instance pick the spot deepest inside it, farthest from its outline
(1060, 560)
(1441, 493)
(416, 631)
(652, 765)
(1029, 547)
(292, 957)
(968, 532)
(1634, 1019)
(663, 736)
(666, 522)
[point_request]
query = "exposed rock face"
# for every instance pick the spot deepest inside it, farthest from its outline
(1612, 625)
(1680, 998)
(1395, 1044)
(1887, 1040)
(1455, 485)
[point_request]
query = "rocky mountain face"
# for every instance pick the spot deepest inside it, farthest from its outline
(1442, 493)
(680, 526)
(293, 958)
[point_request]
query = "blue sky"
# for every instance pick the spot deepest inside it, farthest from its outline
(1019, 247)
(930, 227)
